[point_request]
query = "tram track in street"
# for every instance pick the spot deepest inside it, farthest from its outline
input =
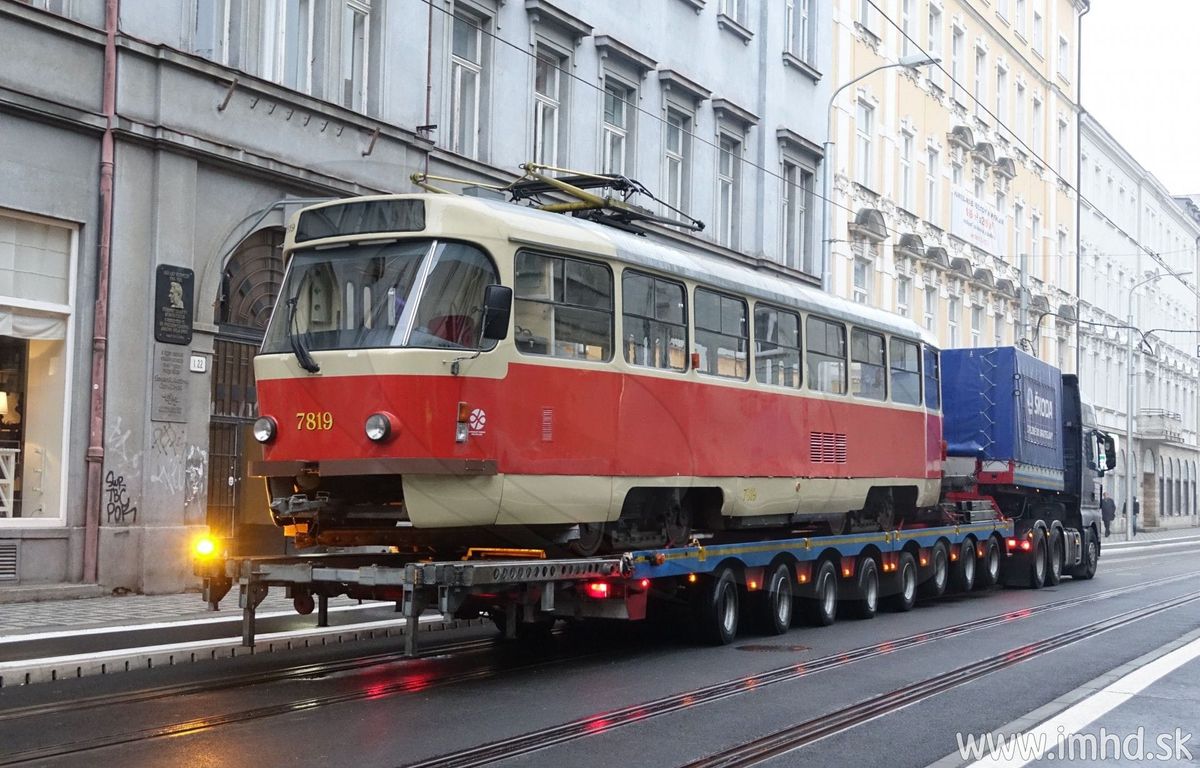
(525, 743)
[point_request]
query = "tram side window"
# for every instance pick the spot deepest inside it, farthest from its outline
(563, 307)
(868, 371)
(826, 346)
(776, 346)
(906, 372)
(933, 389)
(722, 335)
(654, 321)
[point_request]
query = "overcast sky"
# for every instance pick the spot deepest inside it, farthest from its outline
(1140, 83)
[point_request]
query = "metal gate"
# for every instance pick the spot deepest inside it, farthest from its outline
(234, 407)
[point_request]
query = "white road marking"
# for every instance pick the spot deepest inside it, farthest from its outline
(1075, 718)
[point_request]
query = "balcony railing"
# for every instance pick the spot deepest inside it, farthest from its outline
(1157, 424)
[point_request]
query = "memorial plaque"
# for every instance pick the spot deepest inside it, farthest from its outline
(173, 304)
(169, 386)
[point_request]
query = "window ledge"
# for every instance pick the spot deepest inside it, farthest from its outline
(800, 65)
(697, 5)
(1064, 78)
(867, 35)
(731, 25)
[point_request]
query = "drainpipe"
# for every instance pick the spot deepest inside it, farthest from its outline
(1079, 186)
(95, 451)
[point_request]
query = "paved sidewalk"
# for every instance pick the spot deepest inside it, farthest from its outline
(1119, 532)
(83, 613)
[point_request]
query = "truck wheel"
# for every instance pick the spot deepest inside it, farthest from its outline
(777, 602)
(1091, 556)
(906, 583)
(866, 590)
(939, 564)
(1054, 559)
(988, 575)
(1036, 564)
(962, 575)
(820, 608)
(717, 608)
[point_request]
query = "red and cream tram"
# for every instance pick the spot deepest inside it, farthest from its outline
(442, 370)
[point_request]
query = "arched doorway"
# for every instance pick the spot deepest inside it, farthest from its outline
(237, 505)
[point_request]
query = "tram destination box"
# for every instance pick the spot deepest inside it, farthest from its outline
(1002, 405)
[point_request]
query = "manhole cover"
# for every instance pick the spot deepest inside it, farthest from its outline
(766, 648)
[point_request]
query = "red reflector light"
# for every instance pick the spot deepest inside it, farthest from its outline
(1026, 545)
(645, 583)
(1011, 543)
(596, 589)
(464, 412)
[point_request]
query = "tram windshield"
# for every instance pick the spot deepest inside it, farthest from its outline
(415, 293)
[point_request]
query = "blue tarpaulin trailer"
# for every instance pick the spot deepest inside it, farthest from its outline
(1003, 407)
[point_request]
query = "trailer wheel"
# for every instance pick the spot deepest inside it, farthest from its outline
(939, 576)
(866, 602)
(1091, 557)
(717, 608)
(989, 575)
(962, 575)
(820, 608)
(1054, 559)
(906, 582)
(525, 631)
(772, 608)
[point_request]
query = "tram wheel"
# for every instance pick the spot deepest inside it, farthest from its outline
(590, 541)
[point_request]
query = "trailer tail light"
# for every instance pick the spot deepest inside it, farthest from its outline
(1010, 543)
(752, 585)
(645, 583)
(462, 425)
(1026, 545)
(691, 578)
(597, 590)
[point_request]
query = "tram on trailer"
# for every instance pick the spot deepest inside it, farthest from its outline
(444, 371)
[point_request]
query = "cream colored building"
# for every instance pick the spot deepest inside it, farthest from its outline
(954, 185)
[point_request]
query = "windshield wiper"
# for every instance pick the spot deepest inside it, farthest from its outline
(297, 341)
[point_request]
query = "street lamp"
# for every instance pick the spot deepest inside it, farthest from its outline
(1130, 392)
(911, 61)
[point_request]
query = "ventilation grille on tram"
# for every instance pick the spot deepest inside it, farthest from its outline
(827, 448)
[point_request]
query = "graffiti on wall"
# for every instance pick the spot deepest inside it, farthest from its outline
(119, 507)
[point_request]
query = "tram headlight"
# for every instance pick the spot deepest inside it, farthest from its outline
(380, 427)
(264, 429)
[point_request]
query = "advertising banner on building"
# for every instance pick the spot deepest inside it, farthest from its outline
(978, 223)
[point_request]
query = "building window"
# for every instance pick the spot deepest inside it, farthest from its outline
(825, 343)
(548, 88)
(1064, 262)
(219, 32)
(288, 58)
(953, 310)
(1064, 58)
(998, 328)
(1001, 93)
(868, 366)
(563, 307)
(866, 16)
(905, 365)
(976, 324)
(722, 334)
(729, 160)
(1002, 8)
(1020, 17)
(619, 109)
(934, 71)
(36, 269)
(957, 44)
(797, 203)
(1019, 113)
(932, 196)
(1018, 223)
(1036, 122)
(1063, 147)
(466, 80)
(956, 172)
(906, 26)
(798, 23)
(776, 347)
(677, 153)
(1035, 237)
(864, 274)
(906, 170)
(980, 82)
(1038, 42)
(864, 129)
(903, 296)
(979, 188)
(356, 20)
(931, 297)
(736, 10)
(654, 321)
